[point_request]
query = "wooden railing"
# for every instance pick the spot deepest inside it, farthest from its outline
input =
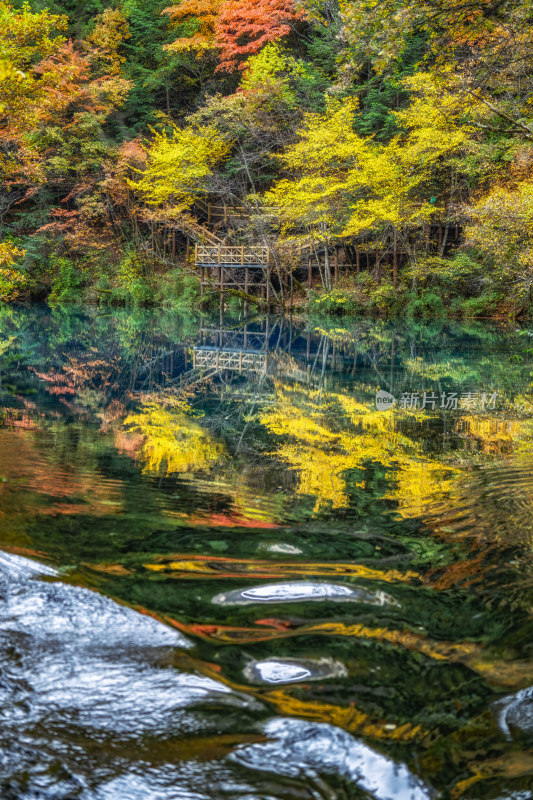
(224, 212)
(197, 232)
(231, 256)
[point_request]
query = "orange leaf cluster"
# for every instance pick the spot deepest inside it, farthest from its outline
(244, 27)
(203, 13)
(237, 28)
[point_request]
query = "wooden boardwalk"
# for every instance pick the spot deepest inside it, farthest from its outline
(222, 255)
(240, 268)
(285, 265)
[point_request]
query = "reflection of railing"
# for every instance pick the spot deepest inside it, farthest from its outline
(249, 339)
(230, 360)
(231, 256)
(263, 348)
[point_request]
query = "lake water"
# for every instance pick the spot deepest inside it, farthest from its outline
(264, 559)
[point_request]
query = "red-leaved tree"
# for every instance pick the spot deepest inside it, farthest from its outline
(244, 27)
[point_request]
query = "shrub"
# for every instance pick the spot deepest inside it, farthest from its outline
(131, 286)
(458, 275)
(385, 297)
(67, 281)
(426, 305)
(335, 301)
(181, 291)
(483, 306)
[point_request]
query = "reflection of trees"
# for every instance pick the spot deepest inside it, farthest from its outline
(165, 497)
(309, 408)
(327, 434)
(171, 440)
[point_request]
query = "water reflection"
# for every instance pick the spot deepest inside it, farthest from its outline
(287, 670)
(90, 709)
(300, 749)
(317, 577)
(515, 713)
(299, 591)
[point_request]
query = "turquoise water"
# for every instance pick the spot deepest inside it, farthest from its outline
(232, 569)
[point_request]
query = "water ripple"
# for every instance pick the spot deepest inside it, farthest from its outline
(297, 591)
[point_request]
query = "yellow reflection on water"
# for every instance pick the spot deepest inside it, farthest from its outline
(325, 434)
(172, 441)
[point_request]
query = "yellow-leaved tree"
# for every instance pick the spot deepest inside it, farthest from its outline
(501, 227)
(341, 184)
(179, 162)
(12, 281)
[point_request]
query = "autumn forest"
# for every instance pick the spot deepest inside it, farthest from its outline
(266, 399)
(344, 156)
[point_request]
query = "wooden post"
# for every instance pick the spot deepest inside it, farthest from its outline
(309, 272)
(225, 214)
(246, 277)
(202, 279)
(209, 213)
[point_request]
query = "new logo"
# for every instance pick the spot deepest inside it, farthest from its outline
(384, 400)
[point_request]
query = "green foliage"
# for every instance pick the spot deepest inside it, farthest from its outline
(67, 282)
(322, 48)
(162, 80)
(485, 305)
(133, 284)
(425, 305)
(384, 297)
(335, 301)
(180, 291)
(458, 275)
(382, 95)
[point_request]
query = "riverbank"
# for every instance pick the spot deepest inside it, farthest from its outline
(453, 288)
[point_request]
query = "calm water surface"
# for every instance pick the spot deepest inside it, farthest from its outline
(231, 569)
